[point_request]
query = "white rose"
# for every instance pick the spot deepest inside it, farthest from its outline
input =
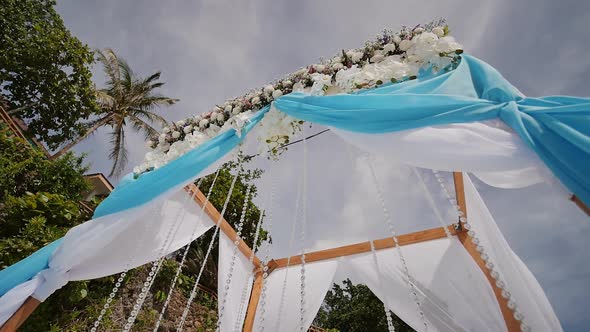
(287, 83)
(175, 134)
(397, 39)
(439, 31)
(427, 37)
(277, 93)
(268, 89)
(203, 123)
(188, 129)
(337, 66)
(389, 48)
(162, 138)
(255, 101)
(405, 44)
(180, 123)
(148, 144)
(197, 118)
(298, 87)
(236, 110)
(228, 108)
(419, 30)
(378, 57)
(320, 68)
(301, 71)
(356, 57)
(165, 130)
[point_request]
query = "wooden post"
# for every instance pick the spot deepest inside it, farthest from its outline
(363, 247)
(511, 323)
(19, 317)
(580, 204)
(253, 303)
(225, 227)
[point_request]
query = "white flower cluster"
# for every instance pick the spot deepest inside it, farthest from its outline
(392, 57)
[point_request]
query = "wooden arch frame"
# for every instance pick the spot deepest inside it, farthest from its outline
(416, 237)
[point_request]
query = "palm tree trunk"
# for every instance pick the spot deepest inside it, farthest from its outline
(80, 138)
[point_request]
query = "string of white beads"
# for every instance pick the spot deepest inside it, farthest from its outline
(390, 327)
(291, 241)
(302, 326)
(185, 251)
(430, 200)
(195, 286)
(244, 298)
(109, 300)
(156, 266)
(389, 221)
(261, 312)
(237, 240)
(494, 273)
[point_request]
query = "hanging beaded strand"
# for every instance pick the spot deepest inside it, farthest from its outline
(112, 295)
(389, 221)
(432, 203)
(217, 226)
(186, 250)
(236, 242)
(390, 327)
(244, 298)
(291, 241)
(107, 304)
(302, 326)
(156, 265)
(494, 273)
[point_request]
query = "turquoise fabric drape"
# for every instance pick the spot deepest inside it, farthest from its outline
(556, 128)
(134, 192)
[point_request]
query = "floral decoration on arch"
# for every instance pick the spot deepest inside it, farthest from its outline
(391, 58)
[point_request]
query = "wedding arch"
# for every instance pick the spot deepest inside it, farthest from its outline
(372, 159)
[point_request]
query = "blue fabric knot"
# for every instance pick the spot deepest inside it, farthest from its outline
(557, 128)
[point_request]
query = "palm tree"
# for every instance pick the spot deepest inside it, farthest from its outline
(126, 98)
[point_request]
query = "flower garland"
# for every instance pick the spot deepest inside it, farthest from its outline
(391, 57)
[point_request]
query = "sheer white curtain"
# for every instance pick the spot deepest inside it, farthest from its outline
(489, 149)
(238, 294)
(525, 289)
(454, 294)
(113, 243)
(282, 313)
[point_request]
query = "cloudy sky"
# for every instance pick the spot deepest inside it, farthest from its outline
(209, 51)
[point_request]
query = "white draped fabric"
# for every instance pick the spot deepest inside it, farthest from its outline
(493, 152)
(525, 289)
(454, 293)
(103, 246)
(238, 294)
(282, 308)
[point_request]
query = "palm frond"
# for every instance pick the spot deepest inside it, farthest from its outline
(143, 127)
(118, 151)
(150, 116)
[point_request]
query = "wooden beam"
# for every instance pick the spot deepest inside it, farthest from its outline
(19, 317)
(580, 204)
(363, 247)
(511, 323)
(225, 227)
(253, 303)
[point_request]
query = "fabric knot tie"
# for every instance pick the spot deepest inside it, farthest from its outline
(51, 280)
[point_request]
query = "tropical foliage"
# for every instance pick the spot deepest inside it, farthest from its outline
(126, 99)
(44, 71)
(354, 308)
